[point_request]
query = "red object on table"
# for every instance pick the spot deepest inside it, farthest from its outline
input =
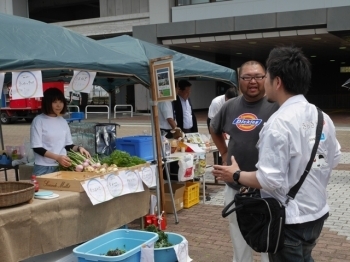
(153, 220)
(35, 182)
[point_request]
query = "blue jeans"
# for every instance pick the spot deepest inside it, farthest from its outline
(299, 240)
(43, 170)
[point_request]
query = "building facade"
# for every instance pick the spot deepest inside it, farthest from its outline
(226, 32)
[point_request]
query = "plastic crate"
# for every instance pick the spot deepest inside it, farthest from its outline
(191, 194)
(129, 240)
(141, 146)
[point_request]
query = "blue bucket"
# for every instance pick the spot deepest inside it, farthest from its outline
(168, 253)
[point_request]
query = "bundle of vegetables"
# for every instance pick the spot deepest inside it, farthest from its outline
(115, 252)
(81, 163)
(163, 237)
(122, 159)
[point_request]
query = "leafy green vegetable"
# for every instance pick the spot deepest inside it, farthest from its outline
(122, 159)
(115, 252)
(163, 237)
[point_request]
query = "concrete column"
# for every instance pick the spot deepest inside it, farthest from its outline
(160, 11)
(6, 7)
(14, 7)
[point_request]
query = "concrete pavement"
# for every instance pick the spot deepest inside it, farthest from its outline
(203, 226)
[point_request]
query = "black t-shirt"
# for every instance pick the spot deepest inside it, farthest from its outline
(243, 121)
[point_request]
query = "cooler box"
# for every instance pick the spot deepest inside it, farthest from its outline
(141, 146)
(129, 240)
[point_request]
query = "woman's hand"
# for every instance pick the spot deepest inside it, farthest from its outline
(64, 161)
(83, 151)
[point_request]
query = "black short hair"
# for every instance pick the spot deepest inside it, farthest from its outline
(251, 62)
(183, 84)
(231, 93)
(51, 95)
(291, 65)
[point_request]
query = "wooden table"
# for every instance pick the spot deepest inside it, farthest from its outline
(45, 226)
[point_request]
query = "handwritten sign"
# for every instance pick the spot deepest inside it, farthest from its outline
(114, 184)
(117, 184)
(26, 84)
(96, 190)
(82, 81)
(2, 77)
(148, 175)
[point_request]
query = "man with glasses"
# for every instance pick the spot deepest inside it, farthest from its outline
(285, 145)
(242, 118)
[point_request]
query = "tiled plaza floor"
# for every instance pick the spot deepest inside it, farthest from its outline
(203, 226)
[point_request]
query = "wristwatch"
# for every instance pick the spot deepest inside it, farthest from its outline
(236, 176)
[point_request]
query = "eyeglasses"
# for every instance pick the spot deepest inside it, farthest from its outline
(250, 78)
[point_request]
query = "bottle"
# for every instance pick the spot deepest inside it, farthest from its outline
(167, 147)
(35, 182)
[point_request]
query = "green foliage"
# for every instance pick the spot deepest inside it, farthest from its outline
(122, 159)
(115, 252)
(163, 237)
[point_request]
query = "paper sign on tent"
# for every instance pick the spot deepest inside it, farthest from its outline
(26, 84)
(82, 82)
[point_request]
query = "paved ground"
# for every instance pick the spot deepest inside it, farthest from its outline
(203, 226)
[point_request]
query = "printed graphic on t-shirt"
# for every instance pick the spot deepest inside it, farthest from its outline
(247, 122)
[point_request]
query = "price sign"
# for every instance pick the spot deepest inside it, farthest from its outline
(96, 190)
(115, 185)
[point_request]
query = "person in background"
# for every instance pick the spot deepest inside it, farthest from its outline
(285, 145)
(242, 118)
(184, 116)
(166, 118)
(50, 136)
(215, 106)
(75, 99)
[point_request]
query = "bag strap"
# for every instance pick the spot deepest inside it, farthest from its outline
(294, 190)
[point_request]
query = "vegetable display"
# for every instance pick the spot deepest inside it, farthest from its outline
(81, 163)
(122, 159)
(163, 237)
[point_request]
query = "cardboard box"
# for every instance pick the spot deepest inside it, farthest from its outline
(178, 193)
(65, 180)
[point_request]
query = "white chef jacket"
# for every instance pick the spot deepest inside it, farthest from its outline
(216, 105)
(285, 146)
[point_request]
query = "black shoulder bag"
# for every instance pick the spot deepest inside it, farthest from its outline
(261, 220)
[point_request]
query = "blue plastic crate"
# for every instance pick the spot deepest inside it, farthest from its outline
(78, 115)
(141, 146)
(130, 240)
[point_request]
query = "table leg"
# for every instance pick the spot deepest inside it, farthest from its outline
(16, 172)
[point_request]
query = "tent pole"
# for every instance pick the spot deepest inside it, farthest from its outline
(157, 136)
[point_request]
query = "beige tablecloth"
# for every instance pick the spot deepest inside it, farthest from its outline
(44, 226)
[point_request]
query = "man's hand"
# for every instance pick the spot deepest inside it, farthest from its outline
(225, 173)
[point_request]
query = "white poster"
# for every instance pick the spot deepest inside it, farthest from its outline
(82, 81)
(2, 77)
(26, 84)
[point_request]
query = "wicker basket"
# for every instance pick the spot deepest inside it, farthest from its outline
(14, 193)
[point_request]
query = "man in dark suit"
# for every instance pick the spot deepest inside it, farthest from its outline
(183, 110)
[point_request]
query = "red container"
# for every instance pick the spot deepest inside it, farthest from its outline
(18, 103)
(34, 103)
(152, 219)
